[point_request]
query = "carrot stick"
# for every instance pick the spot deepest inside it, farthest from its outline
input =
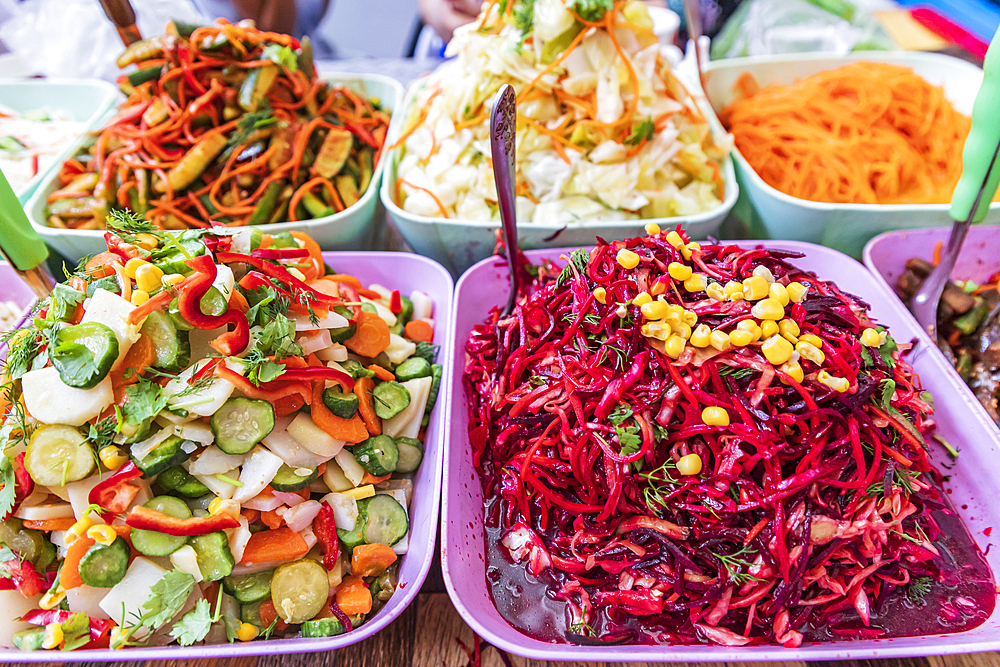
(363, 388)
(270, 545)
(69, 577)
(63, 523)
(381, 373)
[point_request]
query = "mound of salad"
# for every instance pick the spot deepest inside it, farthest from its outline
(605, 129)
(685, 443)
(209, 437)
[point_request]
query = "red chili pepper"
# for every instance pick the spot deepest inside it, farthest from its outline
(25, 577)
(124, 250)
(23, 484)
(395, 302)
(98, 626)
(325, 527)
(144, 518)
(183, 56)
(34, 164)
(274, 271)
(362, 133)
(115, 493)
(128, 115)
(279, 253)
(189, 305)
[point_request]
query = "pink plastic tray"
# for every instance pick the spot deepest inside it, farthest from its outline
(405, 272)
(962, 421)
(16, 290)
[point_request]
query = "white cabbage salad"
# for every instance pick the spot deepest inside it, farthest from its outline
(605, 130)
(30, 141)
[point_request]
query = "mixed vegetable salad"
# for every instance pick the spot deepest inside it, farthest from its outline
(223, 125)
(30, 141)
(687, 443)
(605, 129)
(208, 436)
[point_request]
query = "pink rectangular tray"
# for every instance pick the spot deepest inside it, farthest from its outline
(395, 270)
(962, 421)
(16, 290)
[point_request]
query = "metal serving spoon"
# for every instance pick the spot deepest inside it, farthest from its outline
(975, 189)
(503, 135)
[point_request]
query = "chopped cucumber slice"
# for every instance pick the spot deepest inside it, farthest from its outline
(405, 310)
(153, 543)
(356, 369)
(241, 423)
(165, 455)
(58, 454)
(390, 398)
(413, 368)
(103, 566)
(299, 590)
(355, 536)
(248, 588)
(378, 455)
(178, 481)
(341, 404)
(432, 395)
(30, 639)
(84, 353)
(386, 521)
(322, 627)
(172, 345)
(340, 334)
(411, 454)
(288, 480)
(215, 560)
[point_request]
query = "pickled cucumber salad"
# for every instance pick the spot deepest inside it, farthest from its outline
(209, 437)
(605, 130)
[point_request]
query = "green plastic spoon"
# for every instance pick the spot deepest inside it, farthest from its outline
(21, 244)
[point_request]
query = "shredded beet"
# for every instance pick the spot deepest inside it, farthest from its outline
(815, 499)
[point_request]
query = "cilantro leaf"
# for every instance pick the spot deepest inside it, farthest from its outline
(278, 336)
(194, 625)
(261, 369)
(280, 55)
(621, 412)
(232, 626)
(524, 18)
(75, 362)
(76, 631)
(642, 132)
(166, 597)
(629, 439)
(102, 433)
(886, 350)
(145, 400)
(591, 10)
(65, 298)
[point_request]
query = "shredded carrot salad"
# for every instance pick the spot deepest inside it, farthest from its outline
(223, 125)
(864, 133)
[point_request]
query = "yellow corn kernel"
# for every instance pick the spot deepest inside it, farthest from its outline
(813, 340)
(115, 639)
(601, 295)
(778, 292)
(675, 313)
(768, 328)
(627, 258)
(870, 338)
(789, 329)
(224, 506)
(765, 273)
(715, 291)
(361, 492)
(674, 346)
(755, 288)
(736, 296)
(752, 327)
(78, 529)
(52, 599)
(794, 370)
(740, 337)
(146, 241)
(247, 632)
(674, 239)
(686, 252)
(810, 352)
(621, 311)
(139, 297)
(53, 636)
(654, 310)
(171, 279)
(689, 317)
(102, 534)
(679, 271)
(682, 330)
(659, 287)
(768, 309)
(652, 229)
(696, 283)
(720, 341)
(657, 330)
(796, 292)
(700, 336)
(839, 385)
(732, 287)
(777, 350)
(715, 416)
(147, 277)
(112, 457)
(133, 265)
(642, 299)
(689, 465)
(694, 245)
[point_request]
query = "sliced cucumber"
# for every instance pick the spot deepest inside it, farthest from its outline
(241, 423)
(250, 613)
(30, 639)
(390, 399)
(322, 627)
(411, 454)
(173, 348)
(103, 566)
(405, 310)
(58, 454)
(341, 404)
(299, 590)
(175, 316)
(165, 455)
(340, 334)
(386, 521)
(378, 455)
(248, 588)
(432, 395)
(153, 543)
(412, 369)
(288, 480)
(356, 369)
(178, 481)
(354, 537)
(84, 353)
(215, 560)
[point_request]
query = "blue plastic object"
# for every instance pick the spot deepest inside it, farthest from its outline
(979, 17)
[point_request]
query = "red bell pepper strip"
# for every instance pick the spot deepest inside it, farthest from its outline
(189, 304)
(275, 271)
(128, 115)
(124, 249)
(23, 484)
(325, 527)
(279, 253)
(318, 373)
(98, 626)
(362, 133)
(269, 391)
(144, 518)
(25, 577)
(395, 302)
(115, 493)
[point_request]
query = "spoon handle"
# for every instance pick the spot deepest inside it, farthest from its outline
(20, 244)
(503, 131)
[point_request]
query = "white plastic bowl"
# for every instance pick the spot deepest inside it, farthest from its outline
(458, 244)
(845, 227)
(347, 230)
(84, 100)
